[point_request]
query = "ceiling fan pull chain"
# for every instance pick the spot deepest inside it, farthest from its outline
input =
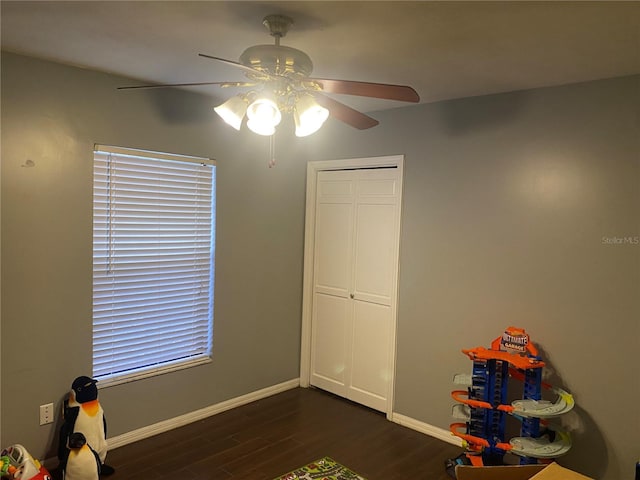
(272, 151)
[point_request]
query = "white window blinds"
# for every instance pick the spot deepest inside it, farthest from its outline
(153, 262)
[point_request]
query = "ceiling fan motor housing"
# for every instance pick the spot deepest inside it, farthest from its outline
(278, 60)
(278, 25)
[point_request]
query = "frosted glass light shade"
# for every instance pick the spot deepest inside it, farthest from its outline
(260, 128)
(232, 111)
(263, 116)
(309, 116)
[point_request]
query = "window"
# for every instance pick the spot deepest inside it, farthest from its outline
(153, 262)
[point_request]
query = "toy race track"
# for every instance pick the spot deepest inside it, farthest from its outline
(483, 405)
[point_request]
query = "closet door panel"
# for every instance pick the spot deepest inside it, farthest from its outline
(333, 249)
(370, 354)
(334, 234)
(375, 253)
(331, 339)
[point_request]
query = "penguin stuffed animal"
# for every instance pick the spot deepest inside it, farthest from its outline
(83, 413)
(83, 462)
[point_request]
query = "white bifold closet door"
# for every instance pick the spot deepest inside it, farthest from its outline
(354, 283)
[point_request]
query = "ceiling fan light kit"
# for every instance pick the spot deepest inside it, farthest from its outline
(309, 116)
(233, 110)
(263, 115)
(281, 82)
(265, 112)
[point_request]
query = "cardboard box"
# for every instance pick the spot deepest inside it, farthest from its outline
(552, 471)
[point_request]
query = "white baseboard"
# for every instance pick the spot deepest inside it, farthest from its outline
(436, 432)
(182, 420)
(170, 424)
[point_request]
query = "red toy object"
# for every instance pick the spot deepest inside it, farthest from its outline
(22, 466)
(43, 474)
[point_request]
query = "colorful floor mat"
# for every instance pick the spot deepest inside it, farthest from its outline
(323, 469)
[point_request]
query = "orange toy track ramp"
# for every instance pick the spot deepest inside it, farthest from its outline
(518, 361)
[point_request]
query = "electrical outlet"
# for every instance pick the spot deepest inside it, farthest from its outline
(46, 414)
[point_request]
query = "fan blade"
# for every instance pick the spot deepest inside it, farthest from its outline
(344, 113)
(236, 64)
(366, 89)
(167, 85)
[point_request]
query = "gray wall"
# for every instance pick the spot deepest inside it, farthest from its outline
(52, 115)
(508, 204)
(507, 200)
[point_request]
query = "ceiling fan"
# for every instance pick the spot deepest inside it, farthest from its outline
(279, 81)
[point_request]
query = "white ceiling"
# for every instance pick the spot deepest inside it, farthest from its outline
(443, 49)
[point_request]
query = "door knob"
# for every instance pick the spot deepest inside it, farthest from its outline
(351, 295)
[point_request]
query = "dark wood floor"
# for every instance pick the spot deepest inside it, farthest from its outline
(272, 436)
